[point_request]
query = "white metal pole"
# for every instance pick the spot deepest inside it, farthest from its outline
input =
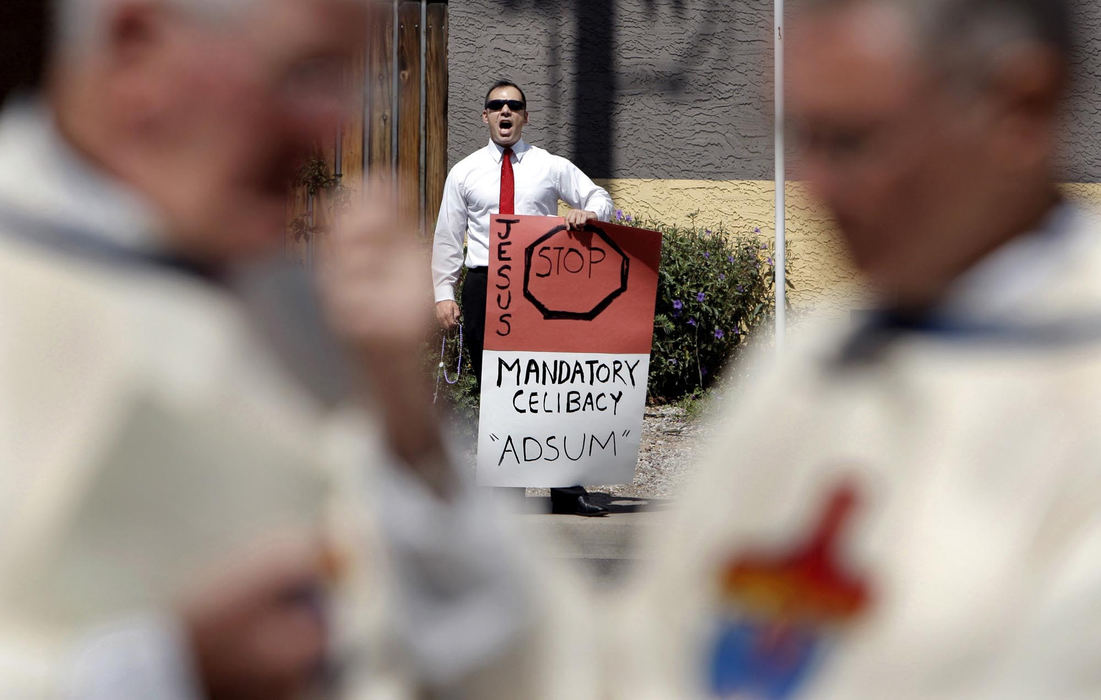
(781, 232)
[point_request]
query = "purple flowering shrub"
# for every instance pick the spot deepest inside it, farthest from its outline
(714, 288)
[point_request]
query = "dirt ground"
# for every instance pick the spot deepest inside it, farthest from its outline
(671, 440)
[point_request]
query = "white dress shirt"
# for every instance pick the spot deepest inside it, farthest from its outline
(472, 195)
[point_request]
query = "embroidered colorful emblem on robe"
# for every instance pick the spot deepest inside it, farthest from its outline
(781, 612)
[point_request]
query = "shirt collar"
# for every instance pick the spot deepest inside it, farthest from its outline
(1001, 299)
(496, 151)
(43, 177)
(1005, 280)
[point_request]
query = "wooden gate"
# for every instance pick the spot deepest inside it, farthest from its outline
(399, 127)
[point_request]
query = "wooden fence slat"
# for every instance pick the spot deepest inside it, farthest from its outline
(322, 200)
(294, 244)
(372, 141)
(379, 99)
(409, 106)
(435, 112)
(352, 160)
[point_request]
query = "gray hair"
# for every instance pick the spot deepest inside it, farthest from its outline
(964, 37)
(79, 24)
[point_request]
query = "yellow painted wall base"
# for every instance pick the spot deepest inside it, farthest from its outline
(819, 265)
(820, 270)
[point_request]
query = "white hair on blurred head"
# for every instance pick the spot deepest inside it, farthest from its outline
(963, 37)
(79, 23)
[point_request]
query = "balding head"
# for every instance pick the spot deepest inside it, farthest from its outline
(964, 38)
(928, 127)
(81, 24)
(207, 107)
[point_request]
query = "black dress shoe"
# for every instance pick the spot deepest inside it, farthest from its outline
(577, 505)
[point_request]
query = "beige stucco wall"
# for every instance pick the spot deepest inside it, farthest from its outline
(819, 267)
(1088, 193)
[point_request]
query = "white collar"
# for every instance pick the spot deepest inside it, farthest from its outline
(43, 177)
(496, 151)
(1004, 282)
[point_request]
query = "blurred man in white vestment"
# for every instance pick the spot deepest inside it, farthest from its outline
(909, 505)
(192, 504)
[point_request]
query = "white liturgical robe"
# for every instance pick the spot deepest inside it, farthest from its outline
(902, 507)
(149, 435)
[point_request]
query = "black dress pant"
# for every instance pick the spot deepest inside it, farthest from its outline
(474, 317)
(474, 291)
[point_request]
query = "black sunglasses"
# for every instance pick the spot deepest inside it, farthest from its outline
(498, 105)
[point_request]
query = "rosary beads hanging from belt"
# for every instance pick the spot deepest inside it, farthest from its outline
(441, 369)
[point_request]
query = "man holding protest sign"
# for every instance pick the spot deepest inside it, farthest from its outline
(508, 176)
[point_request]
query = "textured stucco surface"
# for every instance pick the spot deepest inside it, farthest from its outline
(817, 263)
(633, 88)
(667, 88)
(1086, 194)
(819, 267)
(1082, 142)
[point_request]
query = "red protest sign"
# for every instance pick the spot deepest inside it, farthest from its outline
(555, 290)
(569, 323)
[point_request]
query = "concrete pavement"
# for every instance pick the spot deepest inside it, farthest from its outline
(606, 545)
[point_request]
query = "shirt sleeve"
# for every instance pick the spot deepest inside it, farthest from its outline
(580, 192)
(447, 245)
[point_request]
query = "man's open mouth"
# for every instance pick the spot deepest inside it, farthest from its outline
(505, 124)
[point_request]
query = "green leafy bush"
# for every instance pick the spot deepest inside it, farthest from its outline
(715, 288)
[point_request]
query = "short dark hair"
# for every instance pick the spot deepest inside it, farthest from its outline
(506, 83)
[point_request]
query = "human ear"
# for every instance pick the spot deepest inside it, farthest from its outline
(135, 42)
(1029, 83)
(133, 29)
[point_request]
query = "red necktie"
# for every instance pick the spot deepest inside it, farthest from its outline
(508, 184)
